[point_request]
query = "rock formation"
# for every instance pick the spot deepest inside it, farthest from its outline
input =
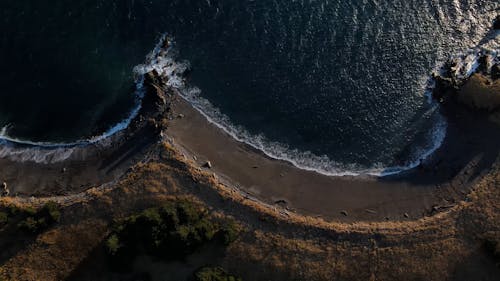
(477, 88)
(496, 23)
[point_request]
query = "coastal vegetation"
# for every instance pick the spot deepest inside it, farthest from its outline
(170, 232)
(213, 274)
(31, 220)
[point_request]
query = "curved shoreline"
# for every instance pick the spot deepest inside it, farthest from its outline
(120, 126)
(301, 159)
(407, 196)
(314, 163)
(439, 182)
(36, 171)
(324, 165)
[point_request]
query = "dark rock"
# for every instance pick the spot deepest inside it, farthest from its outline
(154, 100)
(5, 190)
(445, 87)
(208, 164)
(483, 63)
(344, 213)
(281, 202)
(495, 71)
(406, 215)
(496, 23)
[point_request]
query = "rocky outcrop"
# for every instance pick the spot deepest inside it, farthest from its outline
(496, 23)
(472, 83)
(154, 101)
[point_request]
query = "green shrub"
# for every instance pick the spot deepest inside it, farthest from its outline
(29, 225)
(229, 232)
(113, 244)
(213, 274)
(171, 231)
(4, 218)
(50, 211)
(35, 221)
(16, 211)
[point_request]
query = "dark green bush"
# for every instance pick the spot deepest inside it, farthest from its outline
(113, 244)
(35, 221)
(213, 274)
(171, 231)
(4, 218)
(229, 232)
(30, 225)
(50, 211)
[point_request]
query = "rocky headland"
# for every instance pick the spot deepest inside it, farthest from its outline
(474, 85)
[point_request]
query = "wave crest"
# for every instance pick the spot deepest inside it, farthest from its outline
(172, 71)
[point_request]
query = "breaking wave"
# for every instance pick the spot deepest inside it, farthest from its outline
(166, 64)
(51, 152)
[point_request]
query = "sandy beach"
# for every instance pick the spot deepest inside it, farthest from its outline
(438, 184)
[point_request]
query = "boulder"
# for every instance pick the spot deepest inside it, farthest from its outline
(496, 23)
(281, 202)
(5, 190)
(154, 100)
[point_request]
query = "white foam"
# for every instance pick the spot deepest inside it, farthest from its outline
(35, 154)
(48, 152)
(171, 70)
(164, 61)
(305, 159)
(51, 152)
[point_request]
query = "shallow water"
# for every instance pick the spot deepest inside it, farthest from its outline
(330, 85)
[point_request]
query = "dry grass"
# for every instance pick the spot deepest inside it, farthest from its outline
(275, 245)
(55, 253)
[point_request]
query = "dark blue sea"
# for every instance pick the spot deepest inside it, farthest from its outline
(334, 86)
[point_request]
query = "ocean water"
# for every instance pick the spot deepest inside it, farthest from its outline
(333, 86)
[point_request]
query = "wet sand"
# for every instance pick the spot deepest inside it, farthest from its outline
(439, 183)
